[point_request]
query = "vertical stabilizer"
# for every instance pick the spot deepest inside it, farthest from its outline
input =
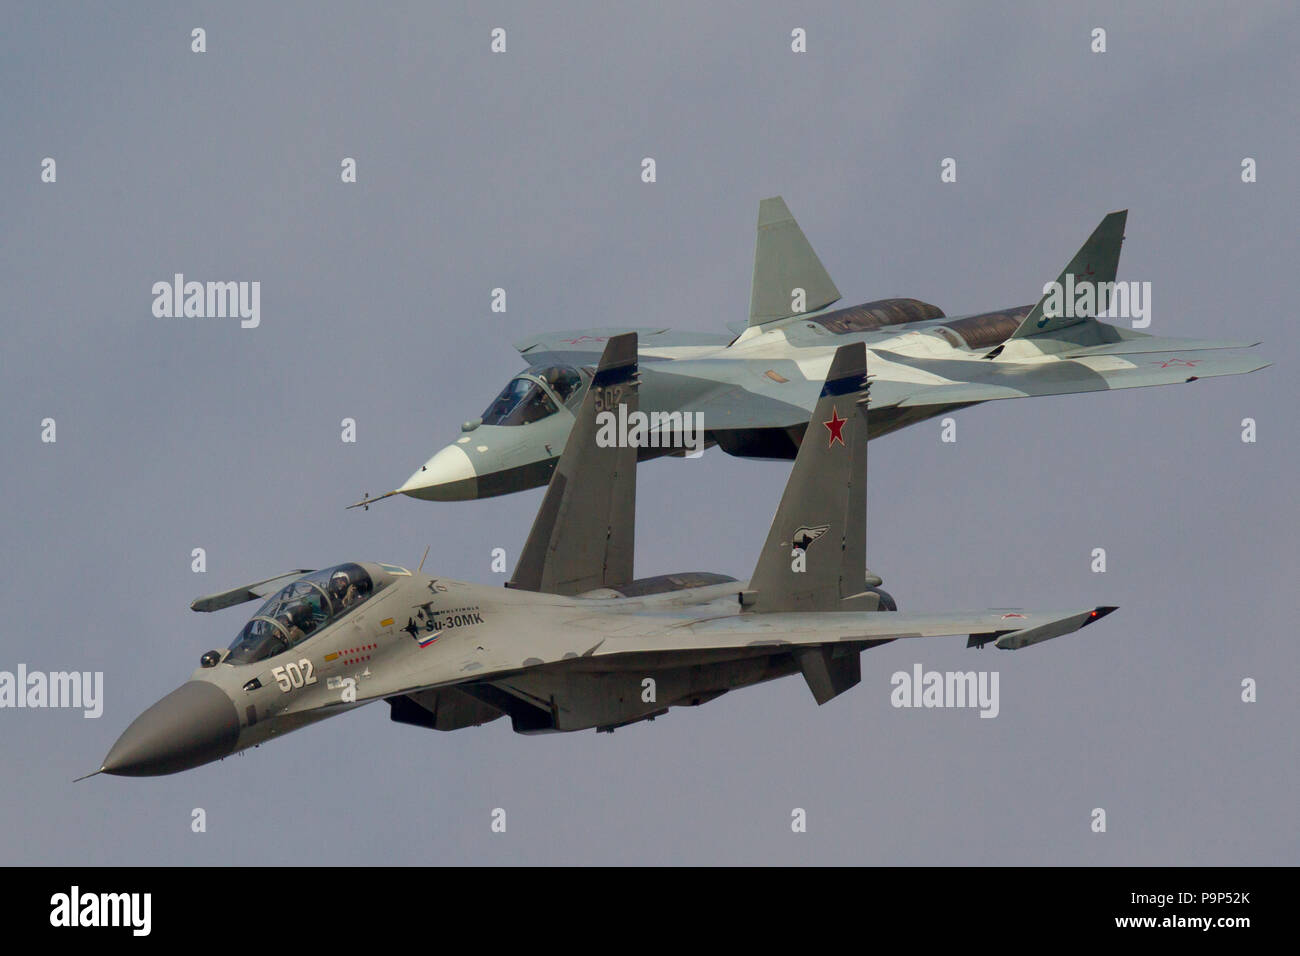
(784, 262)
(582, 537)
(816, 551)
(1093, 267)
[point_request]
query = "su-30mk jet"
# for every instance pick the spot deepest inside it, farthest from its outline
(575, 642)
(750, 391)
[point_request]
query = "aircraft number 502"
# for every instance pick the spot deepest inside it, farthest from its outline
(289, 676)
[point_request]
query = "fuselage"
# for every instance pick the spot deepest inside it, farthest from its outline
(778, 367)
(418, 633)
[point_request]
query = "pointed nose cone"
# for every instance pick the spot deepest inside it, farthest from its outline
(447, 476)
(194, 724)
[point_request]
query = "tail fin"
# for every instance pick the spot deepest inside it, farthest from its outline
(783, 263)
(1095, 263)
(582, 537)
(816, 552)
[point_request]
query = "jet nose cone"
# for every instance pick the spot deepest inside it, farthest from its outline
(192, 725)
(447, 476)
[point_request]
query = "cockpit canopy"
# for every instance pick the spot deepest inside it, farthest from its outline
(534, 394)
(300, 609)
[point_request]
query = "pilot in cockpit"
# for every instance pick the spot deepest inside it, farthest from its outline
(342, 590)
(296, 622)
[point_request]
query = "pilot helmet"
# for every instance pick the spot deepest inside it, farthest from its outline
(300, 614)
(339, 584)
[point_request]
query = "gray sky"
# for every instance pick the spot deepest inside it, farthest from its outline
(522, 171)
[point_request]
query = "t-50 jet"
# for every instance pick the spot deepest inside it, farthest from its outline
(754, 386)
(575, 641)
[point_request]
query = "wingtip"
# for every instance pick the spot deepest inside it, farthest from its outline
(1098, 613)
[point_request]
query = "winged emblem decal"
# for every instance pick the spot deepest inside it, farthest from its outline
(804, 536)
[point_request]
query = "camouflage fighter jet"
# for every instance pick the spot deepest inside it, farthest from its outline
(574, 642)
(755, 385)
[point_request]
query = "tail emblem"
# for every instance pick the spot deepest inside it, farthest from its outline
(836, 427)
(805, 536)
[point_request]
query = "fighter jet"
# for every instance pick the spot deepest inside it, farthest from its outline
(755, 385)
(575, 641)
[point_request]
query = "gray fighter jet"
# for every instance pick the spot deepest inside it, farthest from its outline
(575, 641)
(755, 385)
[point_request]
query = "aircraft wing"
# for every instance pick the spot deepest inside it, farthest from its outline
(583, 346)
(1096, 369)
(767, 404)
(609, 637)
(1007, 628)
(775, 394)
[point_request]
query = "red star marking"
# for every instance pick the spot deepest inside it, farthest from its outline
(582, 338)
(836, 427)
(1176, 361)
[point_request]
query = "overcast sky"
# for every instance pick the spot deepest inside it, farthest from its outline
(522, 170)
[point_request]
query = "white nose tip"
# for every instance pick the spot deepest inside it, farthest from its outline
(447, 476)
